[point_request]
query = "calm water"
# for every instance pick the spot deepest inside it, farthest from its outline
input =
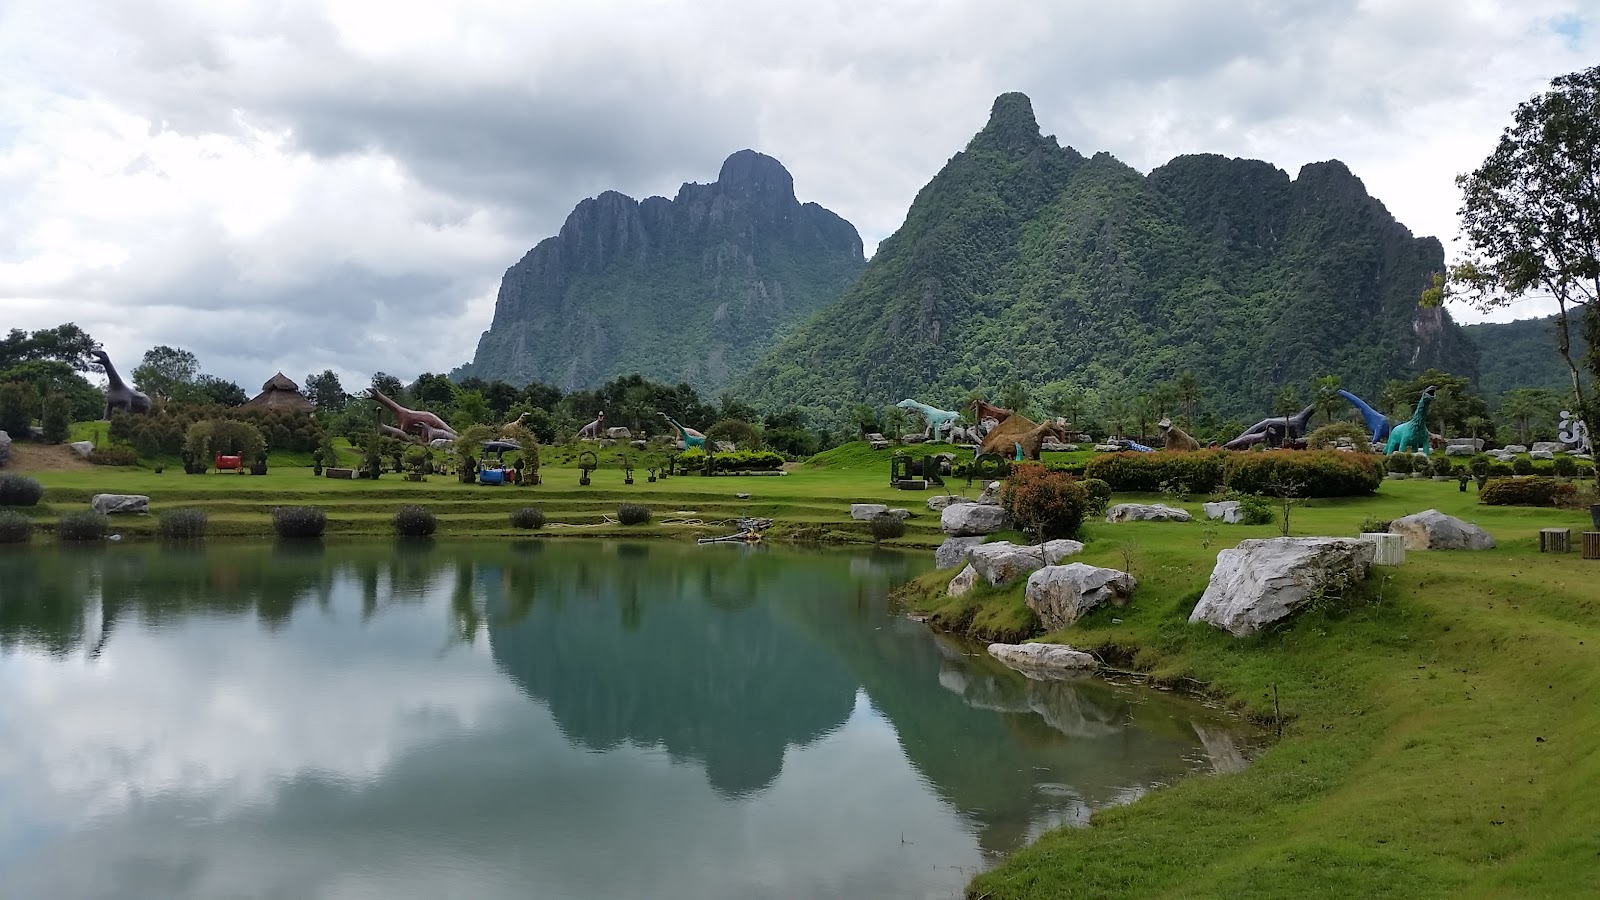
(550, 720)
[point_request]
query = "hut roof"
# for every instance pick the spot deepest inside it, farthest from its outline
(280, 392)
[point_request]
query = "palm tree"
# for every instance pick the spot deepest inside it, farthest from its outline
(1325, 396)
(1189, 395)
(1145, 409)
(1014, 396)
(1523, 405)
(1476, 424)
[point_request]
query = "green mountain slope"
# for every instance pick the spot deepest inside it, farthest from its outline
(691, 289)
(1522, 354)
(1025, 260)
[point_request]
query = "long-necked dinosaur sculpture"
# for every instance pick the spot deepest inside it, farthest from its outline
(937, 419)
(419, 422)
(687, 436)
(1294, 426)
(1411, 436)
(1377, 422)
(119, 395)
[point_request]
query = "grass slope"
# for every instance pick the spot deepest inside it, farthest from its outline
(1441, 737)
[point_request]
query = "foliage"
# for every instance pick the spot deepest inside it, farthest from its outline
(527, 517)
(633, 514)
(165, 433)
(1534, 491)
(1318, 473)
(299, 521)
(1398, 463)
(165, 371)
(18, 400)
(1047, 504)
(48, 376)
(67, 344)
(1522, 466)
(1499, 469)
(1146, 472)
(1255, 509)
(82, 525)
(737, 461)
(20, 490)
(415, 521)
(207, 438)
(115, 455)
(1565, 466)
(55, 419)
(1322, 437)
(183, 524)
(1533, 410)
(885, 527)
(325, 391)
(15, 528)
(738, 432)
(1097, 494)
(1442, 465)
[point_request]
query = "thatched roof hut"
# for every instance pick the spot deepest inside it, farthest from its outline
(280, 393)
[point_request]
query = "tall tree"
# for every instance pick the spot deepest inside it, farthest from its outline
(1014, 396)
(1189, 395)
(1325, 395)
(211, 389)
(166, 371)
(389, 386)
(1524, 406)
(1531, 214)
(326, 392)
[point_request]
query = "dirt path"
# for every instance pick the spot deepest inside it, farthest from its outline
(44, 458)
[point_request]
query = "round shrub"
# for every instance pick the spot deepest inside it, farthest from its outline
(633, 514)
(1255, 509)
(1565, 466)
(884, 526)
(1097, 495)
(1442, 465)
(528, 517)
(1420, 464)
(1314, 473)
(1197, 472)
(15, 528)
(1500, 470)
(1522, 466)
(20, 490)
(182, 524)
(85, 525)
(1048, 504)
(299, 521)
(415, 521)
(1479, 467)
(1526, 492)
(1398, 463)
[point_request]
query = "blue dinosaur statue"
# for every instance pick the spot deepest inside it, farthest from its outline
(937, 419)
(1377, 422)
(1411, 436)
(691, 439)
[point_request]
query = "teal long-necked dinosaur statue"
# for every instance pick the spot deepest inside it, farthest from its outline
(1411, 436)
(691, 439)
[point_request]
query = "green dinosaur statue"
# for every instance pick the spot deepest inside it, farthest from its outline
(1411, 436)
(692, 439)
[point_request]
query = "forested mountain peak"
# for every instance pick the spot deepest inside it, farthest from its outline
(1022, 260)
(689, 289)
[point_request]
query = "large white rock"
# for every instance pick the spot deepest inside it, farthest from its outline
(968, 519)
(1262, 581)
(82, 448)
(619, 433)
(109, 504)
(1547, 447)
(953, 552)
(5, 448)
(1043, 659)
(1226, 510)
(990, 494)
(1433, 530)
(965, 581)
(1541, 454)
(866, 512)
(1387, 549)
(1059, 595)
(1459, 450)
(1516, 448)
(1145, 512)
(939, 501)
(1473, 445)
(1003, 562)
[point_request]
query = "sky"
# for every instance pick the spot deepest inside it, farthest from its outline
(288, 185)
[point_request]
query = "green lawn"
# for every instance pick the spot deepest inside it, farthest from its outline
(1442, 735)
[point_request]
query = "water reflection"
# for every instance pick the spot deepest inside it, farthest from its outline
(550, 718)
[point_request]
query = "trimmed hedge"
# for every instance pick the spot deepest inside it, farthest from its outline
(1045, 503)
(737, 461)
(633, 514)
(113, 456)
(1531, 491)
(1322, 473)
(528, 517)
(885, 527)
(82, 526)
(299, 521)
(15, 528)
(183, 524)
(415, 521)
(20, 490)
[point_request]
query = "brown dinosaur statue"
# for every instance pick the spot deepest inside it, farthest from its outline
(1176, 438)
(418, 421)
(1004, 438)
(982, 411)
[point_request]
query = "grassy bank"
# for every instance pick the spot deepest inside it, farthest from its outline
(1440, 734)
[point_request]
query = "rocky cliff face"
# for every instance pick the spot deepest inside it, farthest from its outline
(1023, 259)
(691, 289)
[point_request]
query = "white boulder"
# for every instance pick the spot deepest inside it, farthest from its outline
(953, 552)
(1003, 562)
(990, 495)
(964, 582)
(1516, 448)
(866, 512)
(1433, 530)
(1547, 447)
(1541, 454)
(939, 501)
(82, 448)
(1472, 445)
(1145, 512)
(968, 519)
(1226, 510)
(1262, 581)
(113, 504)
(1059, 595)
(1043, 659)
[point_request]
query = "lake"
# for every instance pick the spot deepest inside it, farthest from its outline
(550, 719)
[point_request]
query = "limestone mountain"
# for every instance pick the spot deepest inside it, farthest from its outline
(1026, 260)
(690, 289)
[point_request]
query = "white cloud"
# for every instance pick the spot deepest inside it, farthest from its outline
(297, 185)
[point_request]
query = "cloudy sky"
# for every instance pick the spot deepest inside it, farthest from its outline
(297, 185)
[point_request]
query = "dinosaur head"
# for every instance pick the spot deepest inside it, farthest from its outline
(1426, 399)
(101, 355)
(907, 403)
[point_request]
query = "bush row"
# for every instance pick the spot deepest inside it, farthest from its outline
(737, 461)
(1534, 491)
(1317, 473)
(164, 432)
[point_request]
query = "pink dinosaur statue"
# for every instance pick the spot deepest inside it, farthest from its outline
(591, 431)
(424, 423)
